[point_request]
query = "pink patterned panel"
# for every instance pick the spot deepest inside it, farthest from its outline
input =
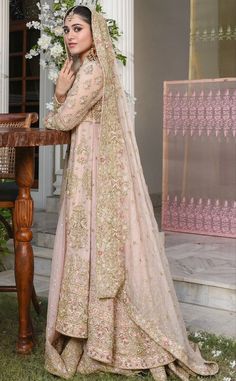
(199, 157)
(196, 108)
(199, 216)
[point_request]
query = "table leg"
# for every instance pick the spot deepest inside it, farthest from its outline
(24, 261)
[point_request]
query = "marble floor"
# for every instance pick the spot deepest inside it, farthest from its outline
(211, 260)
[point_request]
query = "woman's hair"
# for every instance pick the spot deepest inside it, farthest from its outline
(81, 11)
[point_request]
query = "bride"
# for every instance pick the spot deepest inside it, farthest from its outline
(112, 305)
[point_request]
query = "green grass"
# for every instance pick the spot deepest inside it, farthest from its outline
(14, 367)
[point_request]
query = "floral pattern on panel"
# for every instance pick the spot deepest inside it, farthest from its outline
(72, 183)
(82, 151)
(77, 224)
(72, 311)
(112, 177)
(87, 84)
(87, 183)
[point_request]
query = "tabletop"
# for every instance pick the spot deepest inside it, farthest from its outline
(32, 137)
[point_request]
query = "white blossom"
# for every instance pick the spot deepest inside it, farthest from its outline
(28, 56)
(44, 41)
(58, 31)
(43, 63)
(33, 52)
(216, 353)
(52, 75)
(232, 364)
(46, 7)
(33, 24)
(50, 106)
(39, 6)
(56, 50)
(227, 379)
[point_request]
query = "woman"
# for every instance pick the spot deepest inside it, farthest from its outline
(112, 304)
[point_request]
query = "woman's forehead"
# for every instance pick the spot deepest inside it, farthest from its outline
(74, 19)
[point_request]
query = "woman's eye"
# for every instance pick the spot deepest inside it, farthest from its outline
(65, 31)
(77, 29)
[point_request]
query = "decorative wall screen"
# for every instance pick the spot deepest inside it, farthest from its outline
(199, 164)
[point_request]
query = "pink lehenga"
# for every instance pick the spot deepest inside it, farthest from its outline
(112, 305)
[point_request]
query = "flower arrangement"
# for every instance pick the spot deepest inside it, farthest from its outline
(51, 42)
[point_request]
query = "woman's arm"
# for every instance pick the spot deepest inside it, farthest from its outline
(84, 94)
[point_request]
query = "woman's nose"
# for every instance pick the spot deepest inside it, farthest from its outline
(70, 34)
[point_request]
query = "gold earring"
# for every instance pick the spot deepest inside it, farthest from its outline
(92, 54)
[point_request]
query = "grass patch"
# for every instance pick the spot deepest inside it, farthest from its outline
(14, 367)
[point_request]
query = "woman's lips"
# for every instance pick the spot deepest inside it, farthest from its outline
(72, 45)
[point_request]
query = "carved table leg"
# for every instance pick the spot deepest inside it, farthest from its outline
(24, 261)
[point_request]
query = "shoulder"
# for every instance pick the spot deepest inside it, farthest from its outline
(91, 67)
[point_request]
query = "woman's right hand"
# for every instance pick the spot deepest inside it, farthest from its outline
(65, 80)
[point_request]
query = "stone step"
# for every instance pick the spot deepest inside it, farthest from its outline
(41, 283)
(211, 320)
(52, 204)
(44, 228)
(42, 261)
(203, 268)
(194, 291)
(197, 318)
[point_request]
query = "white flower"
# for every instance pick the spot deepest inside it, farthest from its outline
(33, 52)
(58, 31)
(227, 379)
(28, 56)
(36, 24)
(53, 74)
(43, 63)
(197, 334)
(232, 364)
(44, 41)
(56, 1)
(56, 50)
(46, 7)
(216, 353)
(50, 106)
(39, 6)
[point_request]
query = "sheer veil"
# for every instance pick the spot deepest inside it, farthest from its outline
(148, 290)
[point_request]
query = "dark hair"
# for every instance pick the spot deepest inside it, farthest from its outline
(81, 11)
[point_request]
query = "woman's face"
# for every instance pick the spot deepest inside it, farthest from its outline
(77, 35)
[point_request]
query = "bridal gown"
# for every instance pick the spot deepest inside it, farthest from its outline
(112, 304)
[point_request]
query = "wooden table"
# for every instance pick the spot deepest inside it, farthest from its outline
(24, 140)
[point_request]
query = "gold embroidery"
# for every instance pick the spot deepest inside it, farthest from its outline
(72, 183)
(81, 99)
(77, 226)
(87, 183)
(112, 179)
(72, 313)
(82, 152)
(94, 115)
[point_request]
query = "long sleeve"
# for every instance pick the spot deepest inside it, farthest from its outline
(84, 94)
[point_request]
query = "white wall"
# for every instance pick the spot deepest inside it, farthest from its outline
(161, 52)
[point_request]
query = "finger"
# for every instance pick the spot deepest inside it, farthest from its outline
(69, 66)
(64, 68)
